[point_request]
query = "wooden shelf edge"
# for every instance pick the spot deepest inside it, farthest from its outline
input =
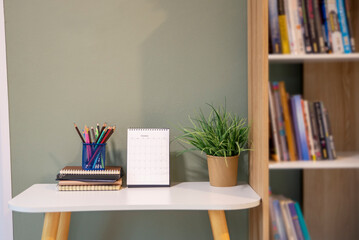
(291, 58)
(345, 160)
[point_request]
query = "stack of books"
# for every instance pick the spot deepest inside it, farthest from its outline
(310, 26)
(300, 130)
(74, 178)
(286, 219)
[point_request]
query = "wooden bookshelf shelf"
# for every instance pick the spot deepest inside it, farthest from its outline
(289, 58)
(345, 160)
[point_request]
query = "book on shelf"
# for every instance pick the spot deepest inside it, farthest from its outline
(311, 26)
(299, 127)
(295, 24)
(324, 20)
(308, 129)
(274, 27)
(295, 220)
(303, 225)
(322, 138)
(315, 134)
(289, 226)
(318, 26)
(344, 26)
(276, 155)
(287, 122)
(275, 208)
(280, 121)
(303, 14)
(74, 178)
(286, 219)
(350, 24)
(302, 126)
(283, 28)
(334, 28)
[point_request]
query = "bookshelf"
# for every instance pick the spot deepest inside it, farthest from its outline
(330, 194)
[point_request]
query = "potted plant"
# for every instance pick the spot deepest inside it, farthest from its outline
(222, 136)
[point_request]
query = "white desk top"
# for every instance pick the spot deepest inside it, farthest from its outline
(181, 196)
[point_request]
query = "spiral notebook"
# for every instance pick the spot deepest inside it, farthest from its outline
(148, 161)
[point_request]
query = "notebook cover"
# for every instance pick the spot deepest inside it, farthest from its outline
(76, 173)
(89, 188)
(77, 183)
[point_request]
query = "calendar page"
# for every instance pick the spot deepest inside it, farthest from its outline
(148, 157)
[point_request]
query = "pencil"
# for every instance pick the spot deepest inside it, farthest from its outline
(104, 139)
(101, 131)
(78, 131)
(101, 136)
(98, 128)
(93, 135)
(112, 130)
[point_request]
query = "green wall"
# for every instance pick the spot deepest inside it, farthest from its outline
(139, 63)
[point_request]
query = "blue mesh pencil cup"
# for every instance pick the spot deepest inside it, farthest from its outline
(93, 156)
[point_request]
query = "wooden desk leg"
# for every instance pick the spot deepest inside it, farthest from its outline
(64, 226)
(219, 224)
(51, 223)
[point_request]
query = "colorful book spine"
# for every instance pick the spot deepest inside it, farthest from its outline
(334, 29)
(328, 140)
(322, 140)
(295, 20)
(291, 31)
(343, 26)
(274, 227)
(318, 26)
(288, 123)
(303, 226)
(350, 24)
(274, 26)
(331, 139)
(308, 129)
(311, 19)
(280, 122)
(283, 28)
(315, 133)
(295, 220)
(325, 30)
(287, 220)
(302, 146)
(305, 26)
(275, 134)
(279, 218)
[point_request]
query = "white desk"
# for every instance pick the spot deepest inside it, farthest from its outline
(183, 196)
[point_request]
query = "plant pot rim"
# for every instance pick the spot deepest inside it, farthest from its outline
(223, 156)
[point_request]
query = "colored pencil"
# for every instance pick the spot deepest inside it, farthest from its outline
(101, 136)
(78, 131)
(93, 135)
(106, 135)
(101, 131)
(106, 138)
(98, 128)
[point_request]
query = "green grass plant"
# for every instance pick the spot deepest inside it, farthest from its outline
(220, 134)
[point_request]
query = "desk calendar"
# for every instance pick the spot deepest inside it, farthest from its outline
(148, 162)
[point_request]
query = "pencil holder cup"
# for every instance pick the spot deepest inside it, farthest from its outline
(93, 156)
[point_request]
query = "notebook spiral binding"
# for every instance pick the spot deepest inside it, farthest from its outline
(86, 172)
(148, 129)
